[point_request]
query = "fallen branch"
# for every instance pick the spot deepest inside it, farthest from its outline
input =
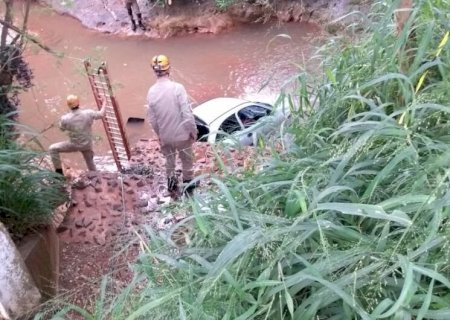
(29, 37)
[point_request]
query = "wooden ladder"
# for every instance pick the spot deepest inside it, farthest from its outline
(101, 87)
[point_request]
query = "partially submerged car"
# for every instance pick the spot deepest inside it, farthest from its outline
(230, 118)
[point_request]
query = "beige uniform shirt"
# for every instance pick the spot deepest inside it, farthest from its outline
(169, 111)
(78, 124)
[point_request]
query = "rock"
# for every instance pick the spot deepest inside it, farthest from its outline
(129, 191)
(152, 206)
(79, 223)
(140, 184)
(112, 183)
(116, 213)
(89, 203)
(141, 203)
(80, 184)
(100, 239)
(163, 200)
(82, 233)
(19, 294)
(202, 160)
(117, 207)
(98, 189)
(92, 174)
(87, 221)
(179, 216)
(126, 182)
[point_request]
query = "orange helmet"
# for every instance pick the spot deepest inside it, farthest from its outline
(160, 63)
(72, 101)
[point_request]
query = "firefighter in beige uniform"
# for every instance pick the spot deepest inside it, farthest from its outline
(172, 120)
(78, 124)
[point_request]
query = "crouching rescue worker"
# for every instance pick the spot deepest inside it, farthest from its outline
(172, 120)
(78, 124)
(131, 6)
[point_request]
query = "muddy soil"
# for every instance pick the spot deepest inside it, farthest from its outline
(104, 229)
(201, 16)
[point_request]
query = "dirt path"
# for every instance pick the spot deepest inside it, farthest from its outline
(105, 224)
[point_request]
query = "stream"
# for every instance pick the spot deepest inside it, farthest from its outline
(251, 61)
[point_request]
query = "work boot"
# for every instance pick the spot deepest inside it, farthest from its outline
(133, 25)
(140, 21)
(172, 184)
(189, 187)
(60, 171)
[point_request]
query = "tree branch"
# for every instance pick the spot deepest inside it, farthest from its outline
(29, 37)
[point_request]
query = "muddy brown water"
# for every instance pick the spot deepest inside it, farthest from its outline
(250, 61)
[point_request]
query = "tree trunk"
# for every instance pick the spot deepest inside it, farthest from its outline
(8, 20)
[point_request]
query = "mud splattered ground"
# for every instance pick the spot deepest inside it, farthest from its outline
(103, 229)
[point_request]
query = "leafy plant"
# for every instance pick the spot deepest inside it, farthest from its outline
(29, 193)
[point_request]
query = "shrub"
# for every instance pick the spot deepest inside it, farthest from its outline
(29, 193)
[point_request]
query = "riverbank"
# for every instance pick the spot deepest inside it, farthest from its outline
(180, 18)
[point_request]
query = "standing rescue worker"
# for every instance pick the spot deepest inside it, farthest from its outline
(172, 120)
(78, 124)
(131, 6)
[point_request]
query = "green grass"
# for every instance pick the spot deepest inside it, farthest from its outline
(29, 193)
(352, 221)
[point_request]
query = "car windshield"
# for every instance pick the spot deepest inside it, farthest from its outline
(251, 114)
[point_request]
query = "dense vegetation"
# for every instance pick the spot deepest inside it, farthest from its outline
(29, 193)
(350, 222)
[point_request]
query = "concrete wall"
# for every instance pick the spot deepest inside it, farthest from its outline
(18, 292)
(40, 251)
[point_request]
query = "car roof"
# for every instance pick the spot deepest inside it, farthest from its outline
(214, 108)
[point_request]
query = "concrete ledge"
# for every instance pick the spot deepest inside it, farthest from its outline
(40, 252)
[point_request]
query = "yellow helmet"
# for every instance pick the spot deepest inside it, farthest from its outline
(160, 63)
(72, 101)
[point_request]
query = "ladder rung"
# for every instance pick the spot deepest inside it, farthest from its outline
(119, 145)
